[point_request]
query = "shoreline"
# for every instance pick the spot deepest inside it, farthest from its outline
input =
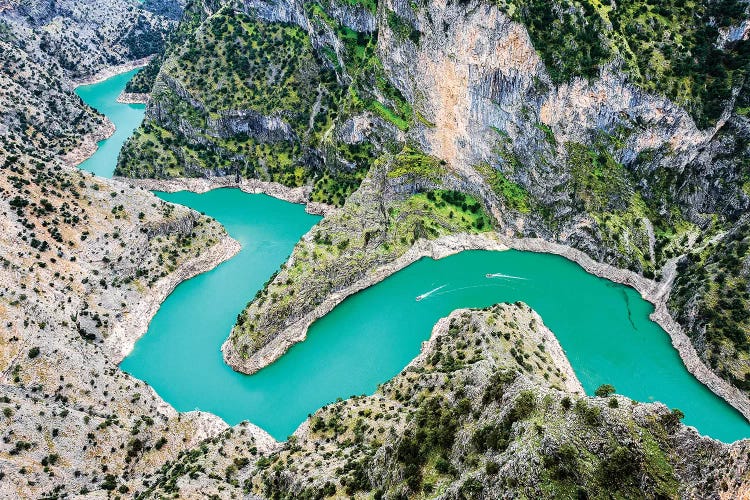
(656, 293)
(132, 98)
(131, 327)
(110, 71)
(124, 333)
(651, 291)
(297, 331)
(89, 144)
(299, 195)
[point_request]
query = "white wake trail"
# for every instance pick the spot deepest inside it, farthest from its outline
(506, 276)
(427, 294)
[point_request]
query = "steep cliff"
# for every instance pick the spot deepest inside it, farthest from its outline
(621, 131)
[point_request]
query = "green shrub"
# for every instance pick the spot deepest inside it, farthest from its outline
(604, 391)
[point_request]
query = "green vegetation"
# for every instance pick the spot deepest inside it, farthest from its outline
(388, 115)
(235, 62)
(549, 135)
(143, 81)
(440, 206)
(602, 188)
(667, 47)
(599, 181)
(397, 112)
(402, 28)
(413, 163)
(605, 391)
(142, 39)
(713, 282)
(435, 426)
(514, 195)
(565, 32)
(192, 17)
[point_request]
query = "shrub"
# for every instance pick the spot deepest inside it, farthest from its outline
(491, 468)
(605, 390)
(563, 463)
(672, 419)
(109, 483)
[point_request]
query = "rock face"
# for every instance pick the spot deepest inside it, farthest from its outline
(489, 409)
(611, 161)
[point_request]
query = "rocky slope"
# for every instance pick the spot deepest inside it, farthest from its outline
(49, 47)
(79, 38)
(84, 264)
(711, 296)
(489, 409)
(555, 117)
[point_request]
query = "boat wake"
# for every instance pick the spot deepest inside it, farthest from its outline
(506, 276)
(427, 294)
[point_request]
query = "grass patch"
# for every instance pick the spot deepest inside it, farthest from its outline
(514, 195)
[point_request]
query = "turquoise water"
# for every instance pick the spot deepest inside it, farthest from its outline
(603, 327)
(180, 355)
(126, 117)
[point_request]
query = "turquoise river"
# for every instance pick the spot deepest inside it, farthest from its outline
(603, 327)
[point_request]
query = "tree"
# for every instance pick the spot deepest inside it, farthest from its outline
(605, 390)
(672, 419)
(109, 483)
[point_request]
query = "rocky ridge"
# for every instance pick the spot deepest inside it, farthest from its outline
(489, 409)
